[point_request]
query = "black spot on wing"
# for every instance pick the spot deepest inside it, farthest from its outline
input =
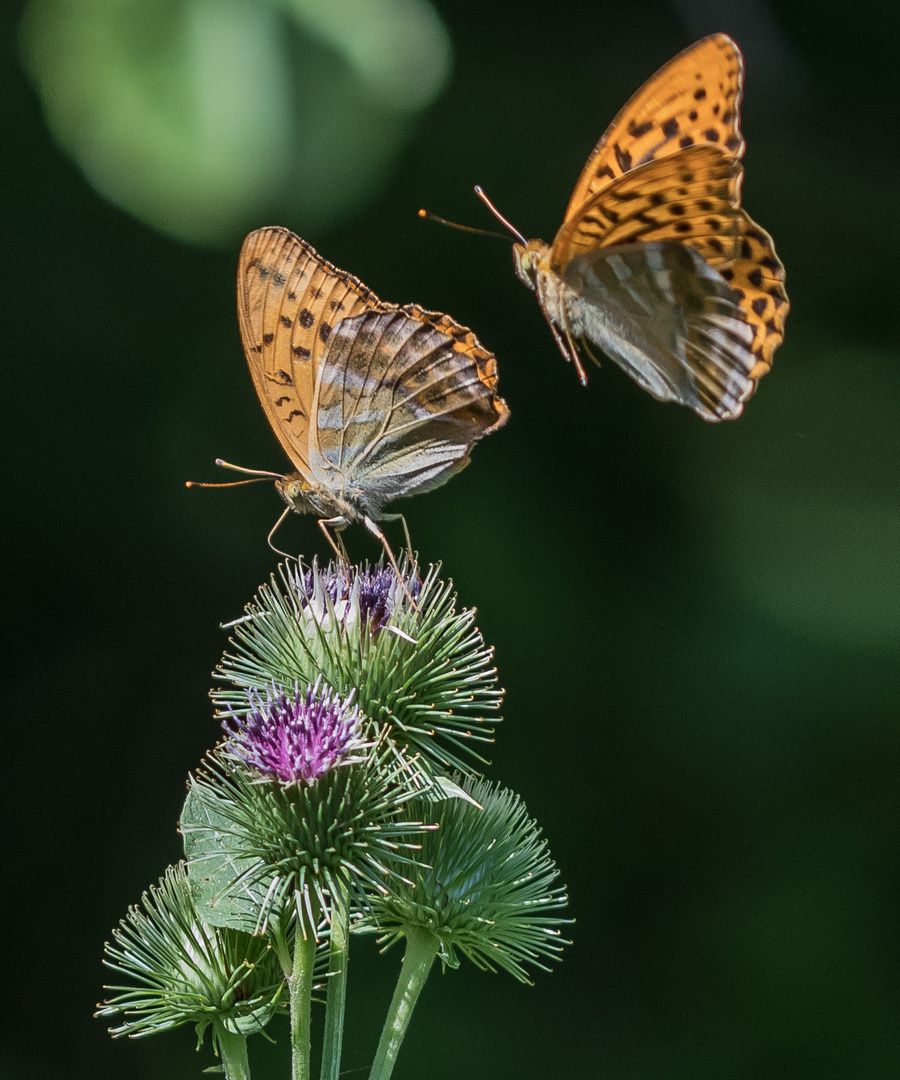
(685, 141)
(306, 318)
(268, 339)
(637, 130)
(671, 128)
(280, 377)
(285, 321)
(324, 332)
(623, 158)
(759, 305)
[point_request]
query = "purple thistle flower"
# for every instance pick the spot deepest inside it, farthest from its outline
(296, 738)
(367, 594)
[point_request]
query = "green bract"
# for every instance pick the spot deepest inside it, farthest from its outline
(423, 673)
(254, 844)
(183, 971)
(483, 886)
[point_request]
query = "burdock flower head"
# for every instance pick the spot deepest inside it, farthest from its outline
(182, 971)
(298, 737)
(484, 887)
(294, 810)
(420, 669)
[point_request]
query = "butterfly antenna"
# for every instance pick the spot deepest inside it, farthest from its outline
(479, 191)
(252, 472)
(257, 474)
(428, 216)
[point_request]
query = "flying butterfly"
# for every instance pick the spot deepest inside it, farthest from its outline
(656, 263)
(370, 401)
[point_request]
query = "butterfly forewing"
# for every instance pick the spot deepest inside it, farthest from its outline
(402, 395)
(693, 99)
(692, 197)
(289, 301)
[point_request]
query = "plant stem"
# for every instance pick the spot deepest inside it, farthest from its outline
(233, 1052)
(336, 990)
(421, 949)
(300, 987)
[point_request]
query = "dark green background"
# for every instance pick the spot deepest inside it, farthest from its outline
(698, 626)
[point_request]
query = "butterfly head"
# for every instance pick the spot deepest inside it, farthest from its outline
(529, 258)
(296, 490)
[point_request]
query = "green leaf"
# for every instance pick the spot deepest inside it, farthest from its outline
(222, 884)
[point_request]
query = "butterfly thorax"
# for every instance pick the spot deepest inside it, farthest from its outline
(529, 259)
(561, 304)
(305, 497)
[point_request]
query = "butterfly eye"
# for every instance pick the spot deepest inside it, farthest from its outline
(526, 261)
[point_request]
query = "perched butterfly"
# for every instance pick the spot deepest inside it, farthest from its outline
(370, 401)
(656, 263)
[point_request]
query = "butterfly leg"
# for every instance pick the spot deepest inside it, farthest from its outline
(401, 518)
(273, 530)
(587, 349)
(337, 544)
(375, 531)
(573, 350)
(569, 350)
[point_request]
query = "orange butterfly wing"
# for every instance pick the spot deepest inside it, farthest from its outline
(692, 197)
(695, 98)
(289, 300)
(758, 277)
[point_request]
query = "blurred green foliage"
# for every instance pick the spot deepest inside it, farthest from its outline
(697, 625)
(203, 117)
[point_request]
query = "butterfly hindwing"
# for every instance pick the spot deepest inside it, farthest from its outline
(693, 99)
(670, 320)
(757, 277)
(402, 396)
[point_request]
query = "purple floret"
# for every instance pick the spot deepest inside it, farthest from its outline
(296, 738)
